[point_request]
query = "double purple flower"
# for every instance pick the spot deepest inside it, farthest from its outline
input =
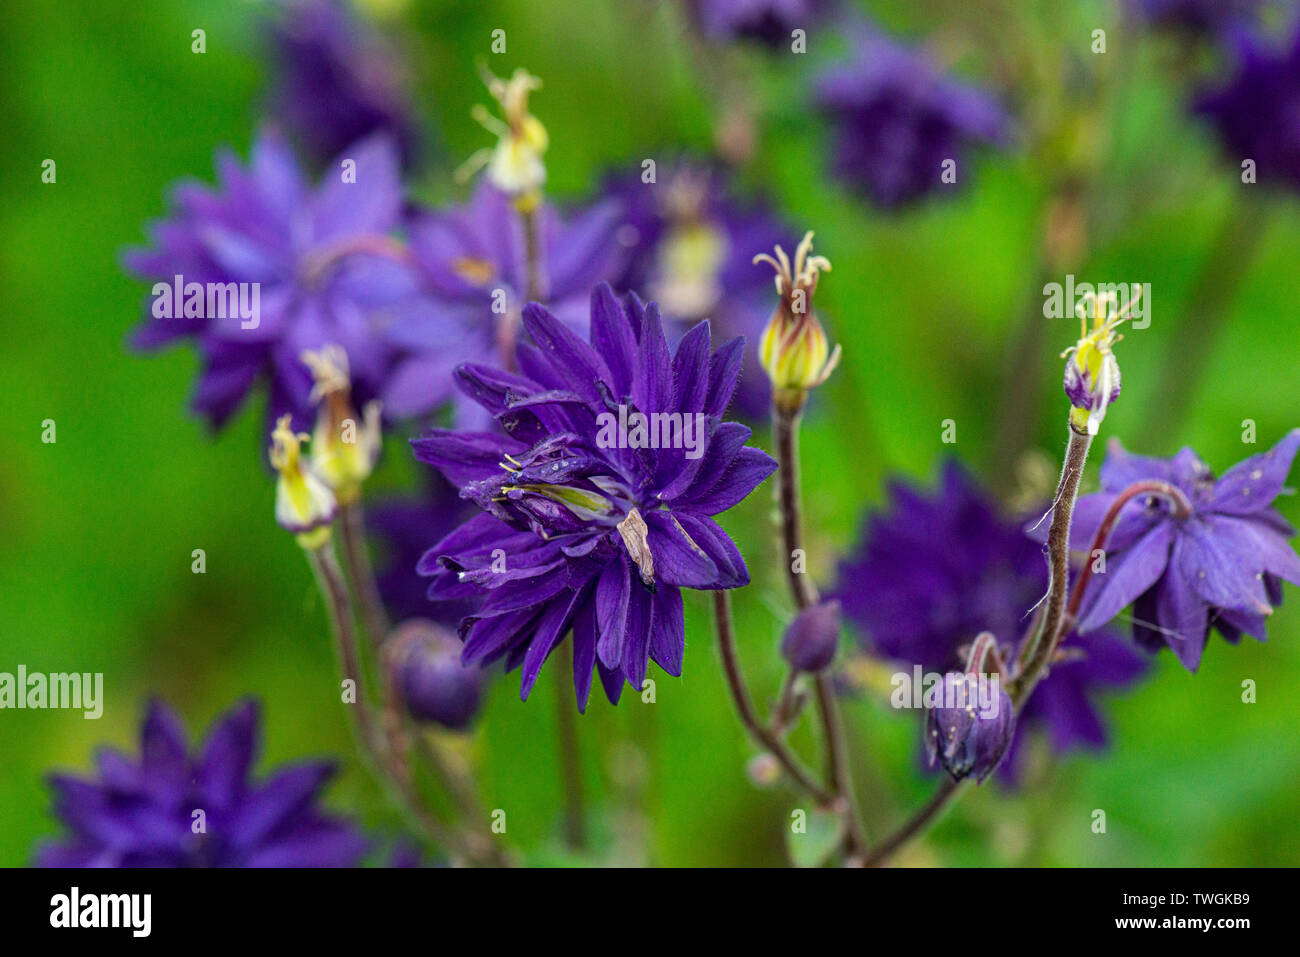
(583, 527)
(169, 808)
(897, 119)
(1221, 565)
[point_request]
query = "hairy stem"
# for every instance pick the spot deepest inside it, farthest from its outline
(786, 413)
(1041, 644)
(352, 524)
(760, 732)
(329, 578)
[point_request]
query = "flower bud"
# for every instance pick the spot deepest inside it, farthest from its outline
(344, 446)
(304, 504)
(1092, 380)
(811, 639)
(794, 350)
(431, 679)
(971, 727)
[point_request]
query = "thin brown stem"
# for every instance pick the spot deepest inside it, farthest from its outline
(372, 748)
(760, 732)
(917, 823)
(352, 525)
(786, 412)
(1151, 488)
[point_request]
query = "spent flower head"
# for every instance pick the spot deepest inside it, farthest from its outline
(515, 164)
(344, 446)
(304, 503)
(794, 350)
(1092, 380)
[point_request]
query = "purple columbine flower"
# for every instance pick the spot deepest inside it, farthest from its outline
(691, 244)
(589, 523)
(1254, 113)
(308, 263)
(939, 568)
(336, 81)
(769, 21)
(967, 735)
(170, 809)
(897, 119)
(472, 262)
(1219, 566)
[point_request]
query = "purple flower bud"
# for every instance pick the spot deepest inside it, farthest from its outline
(433, 682)
(972, 725)
(811, 639)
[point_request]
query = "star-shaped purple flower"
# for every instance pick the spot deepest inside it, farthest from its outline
(591, 520)
(937, 569)
(691, 242)
(170, 809)
(1221, 565)
(472, 263)
(897, 119)
(313, 257)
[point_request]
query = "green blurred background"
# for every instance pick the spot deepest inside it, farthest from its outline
(96, 531)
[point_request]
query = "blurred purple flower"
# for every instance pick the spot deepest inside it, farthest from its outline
(142, 813)
(1222, 566)
(432, 680)
(939, 568)
(691, 246)
(582, 529)
(472, 261)
(769, 21)
(336, 81)
(403, 529)
(897, 119)
(1255, 112)
(314, 256)
(1195, 16)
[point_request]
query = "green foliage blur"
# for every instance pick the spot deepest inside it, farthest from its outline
(96, 531)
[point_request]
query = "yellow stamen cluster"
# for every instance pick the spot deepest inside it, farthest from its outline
(1092, 378)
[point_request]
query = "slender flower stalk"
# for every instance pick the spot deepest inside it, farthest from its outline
(1049, 626)
(786, 413)
(761, 733)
